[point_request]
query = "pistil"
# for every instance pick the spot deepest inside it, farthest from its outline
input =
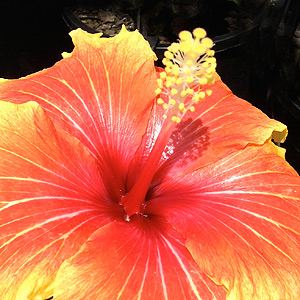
(189, 67)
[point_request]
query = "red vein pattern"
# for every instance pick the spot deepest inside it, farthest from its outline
(147, 247)
(221, 219)
(48, 186)
(240, 217)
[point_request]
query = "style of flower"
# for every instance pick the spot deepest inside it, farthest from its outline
(118, 182)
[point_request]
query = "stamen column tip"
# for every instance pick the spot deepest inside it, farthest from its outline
(189, 65)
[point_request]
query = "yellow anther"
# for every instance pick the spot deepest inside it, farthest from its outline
(175, 67)
(205, 65)
(210, 52)
(157, 91)
(210, 70)
(187, 71)
(169, 83)
(189, 79)
(176, 73)
(181, 106)
(174, 47)
(163, 75)
(172, 102)
(169, 55)
(159, 82)
(203, 80)
(201, 95)
(185, 47)
(174, 91)
(207, 42)
(186, 63)
(199, 49)
(168, 70)
(165, 61)
(208, 92)
(211, 60)
(196, 97)
(190, 91)
(185, 35)
(193, 54)
(178, 81)
(189, 62)
(211, 80)
(199, 33)
(173, 79)
(160, 101)
(169, 64)
(175, 119)
(183, 93)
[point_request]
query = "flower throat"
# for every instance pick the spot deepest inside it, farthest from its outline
(189, 68)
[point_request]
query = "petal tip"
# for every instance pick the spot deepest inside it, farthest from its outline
(279, 133)
(66, 54)
(3, 80)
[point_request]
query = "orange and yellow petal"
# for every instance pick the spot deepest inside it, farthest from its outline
(52, 200)
(101, 94)
(240, 218)
(219, 125)
(141, 259)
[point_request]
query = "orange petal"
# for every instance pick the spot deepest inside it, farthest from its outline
(141, 259)
(52, 199)
(221, 124)
(240, 217)
(100, 93)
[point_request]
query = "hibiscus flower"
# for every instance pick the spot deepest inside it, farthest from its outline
(122, 181)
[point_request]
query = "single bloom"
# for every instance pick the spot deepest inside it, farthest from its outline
(119, 180)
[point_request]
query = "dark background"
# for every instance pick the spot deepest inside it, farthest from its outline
(32, 36)
(262, 68)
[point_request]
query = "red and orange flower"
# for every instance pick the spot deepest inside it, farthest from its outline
(108, 191)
